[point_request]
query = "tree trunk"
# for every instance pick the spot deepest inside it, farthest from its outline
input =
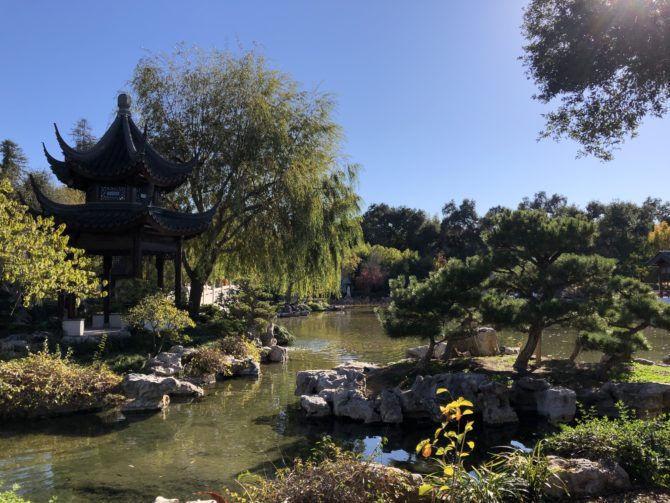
(425, 360)
(289, 295)
(534, 337)
(576, 351)
(449, 350)
(195, 296)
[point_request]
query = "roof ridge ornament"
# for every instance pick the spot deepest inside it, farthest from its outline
(124, 104)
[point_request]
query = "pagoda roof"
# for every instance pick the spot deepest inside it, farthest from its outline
(121, 155)
(115, 217)
(662, 257)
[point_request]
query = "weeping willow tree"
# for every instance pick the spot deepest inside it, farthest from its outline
(268, 158)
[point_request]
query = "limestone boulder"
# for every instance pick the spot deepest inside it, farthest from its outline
(493, 400)
(390, 408)
(150, 392)
(278, 354)
(647, 399)
(311, 382)
(244, 367)
(531, 395)
(584, 478)
(483, 343)
(557, 404)
(490, 399)
(353, 404)
(165, 364)
(315, 406)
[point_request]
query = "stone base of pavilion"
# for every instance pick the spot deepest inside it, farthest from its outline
(95, 335)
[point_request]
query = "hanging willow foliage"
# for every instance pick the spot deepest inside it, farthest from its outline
(269, 157)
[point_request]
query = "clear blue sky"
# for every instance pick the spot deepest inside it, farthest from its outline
(432, 98)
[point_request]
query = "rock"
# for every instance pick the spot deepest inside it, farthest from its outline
(583, 478)
(245, 367)
(181, 350)
(315, 406)
(557, 404)
(146, 404)
(353, 404)
(390, 408)
(491, 401)
(265, 353)
(647, 399)
(278, 354)
(147, 392)
(15, 344)
(643, 361)
(507, 350)
(666, 359)
(530, 395)
(484, 343)
(203, 380)
(160, 499)
(418, 352)
(311, 382)
(363, 367)
(165, 364)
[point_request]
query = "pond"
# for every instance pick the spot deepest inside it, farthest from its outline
(241, 424)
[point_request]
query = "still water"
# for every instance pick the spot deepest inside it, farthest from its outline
(241, 424)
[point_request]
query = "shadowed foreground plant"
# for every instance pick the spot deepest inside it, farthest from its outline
(330, 475)
(508, 477)
(45, 383)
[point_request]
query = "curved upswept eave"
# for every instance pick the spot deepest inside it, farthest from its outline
(93, 217)
(173, 223)
(59, 168)
(91, 154)
(160, 171)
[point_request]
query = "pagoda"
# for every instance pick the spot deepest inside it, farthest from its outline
(123, 219)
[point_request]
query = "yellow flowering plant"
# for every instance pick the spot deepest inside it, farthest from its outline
(448, 446)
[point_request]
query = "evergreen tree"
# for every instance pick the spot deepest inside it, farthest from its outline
(82, 135)
(443, 307)
(543, 274)
(13, 163)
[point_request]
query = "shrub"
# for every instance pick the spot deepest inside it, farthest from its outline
(158, 314)
(331, 475)
(123, 364)
(283, 335)
(43, 384)
(207, 360)
(640, 446)
(239, 347)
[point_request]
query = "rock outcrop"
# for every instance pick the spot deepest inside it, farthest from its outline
(150, 393)
(647, 399)
(315, 406)
(488, 397)
(278, 354)
(483, 343)
(344, 389)
(536, 396)
(583, 478)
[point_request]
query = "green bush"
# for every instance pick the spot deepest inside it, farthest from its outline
(44, 384)
(331, 475)
(124, 364)
(640, 446)
(283, 335)
(239, 347)
(207, 360)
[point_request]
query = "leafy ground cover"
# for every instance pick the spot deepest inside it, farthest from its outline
(47, 383)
